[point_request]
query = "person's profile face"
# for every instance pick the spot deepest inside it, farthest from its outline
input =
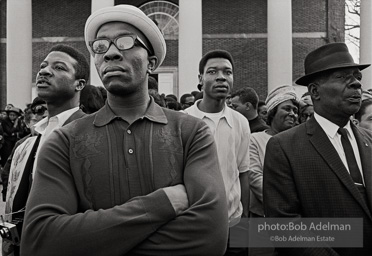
(56, 80)
(366, 118)
(262, 112)
(189, 101)
(34, 119)
(3, 114)
(306, 114)
(340, 95)
(237, 105)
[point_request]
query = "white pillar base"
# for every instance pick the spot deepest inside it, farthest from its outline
(190, 43)
(94, 77)
(19, 52)
(279, 43)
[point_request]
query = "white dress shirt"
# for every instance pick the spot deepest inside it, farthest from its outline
(331, 130)
(47, 125)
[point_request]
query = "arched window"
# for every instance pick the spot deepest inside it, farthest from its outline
(165, 15)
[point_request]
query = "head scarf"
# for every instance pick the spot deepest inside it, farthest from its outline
(279, 95)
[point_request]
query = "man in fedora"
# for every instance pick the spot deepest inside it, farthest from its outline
(323, 176)
(132, 178)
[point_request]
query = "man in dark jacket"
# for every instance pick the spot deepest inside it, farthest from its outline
(323, 167)
(245, 101)
(62, 75)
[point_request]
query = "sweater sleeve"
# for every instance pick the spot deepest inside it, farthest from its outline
(55, 226)
(203, 228)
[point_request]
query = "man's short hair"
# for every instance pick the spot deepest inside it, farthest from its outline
(152, 84)
(82, 66)
(247, 94)
(194, 93)
(261, 103)
(171, 97)
(184, 97)
(365, 103)
(214, 54)
(37, 101)
(27, 116)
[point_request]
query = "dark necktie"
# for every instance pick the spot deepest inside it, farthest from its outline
(350, 157)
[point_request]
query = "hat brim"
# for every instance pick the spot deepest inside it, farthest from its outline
(304, 80)
(133, 16)
(14, 111)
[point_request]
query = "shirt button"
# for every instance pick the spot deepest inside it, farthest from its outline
(129, 131)
(130, 151)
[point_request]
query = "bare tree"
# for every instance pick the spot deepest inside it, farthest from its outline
(352, 21)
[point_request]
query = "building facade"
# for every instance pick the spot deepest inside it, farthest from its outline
(267, 38)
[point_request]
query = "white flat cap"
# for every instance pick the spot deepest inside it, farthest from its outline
(133, 16)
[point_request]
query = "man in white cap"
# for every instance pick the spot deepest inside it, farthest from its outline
(132, 178)
(323, 167)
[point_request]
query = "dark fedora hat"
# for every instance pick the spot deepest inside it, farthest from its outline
(327, 57)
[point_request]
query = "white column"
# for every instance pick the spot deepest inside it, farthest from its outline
(190, 44)
(279, 42)
(19, 52)
(94, 77)
(366, 41)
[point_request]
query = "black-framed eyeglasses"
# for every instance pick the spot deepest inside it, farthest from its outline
(39, 110)
(123, 42)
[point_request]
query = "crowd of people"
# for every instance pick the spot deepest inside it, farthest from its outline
(108, 170)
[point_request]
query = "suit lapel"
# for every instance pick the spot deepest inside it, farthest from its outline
(323, 145)
(365, 151)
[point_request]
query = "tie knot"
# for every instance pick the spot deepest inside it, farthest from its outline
(343, 132)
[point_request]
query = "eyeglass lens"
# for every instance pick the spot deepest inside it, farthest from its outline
(122, 43)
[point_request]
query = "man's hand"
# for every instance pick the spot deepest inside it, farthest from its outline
(178, 198)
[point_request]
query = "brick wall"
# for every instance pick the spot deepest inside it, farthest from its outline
(309, 15)
(59, 18)
(220, 17)
(250, 17)
(234, 16)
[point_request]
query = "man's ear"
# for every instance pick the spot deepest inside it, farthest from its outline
(81, 84)
(200, 77)
(153, 60)
(355, 121)
(313, 89)
(248, 105)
